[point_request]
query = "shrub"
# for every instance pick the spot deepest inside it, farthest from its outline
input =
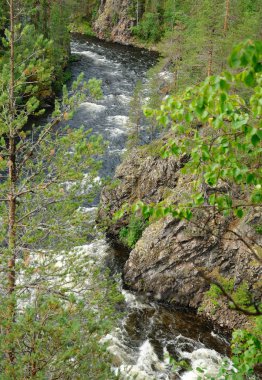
(132, 233)
(81, 26)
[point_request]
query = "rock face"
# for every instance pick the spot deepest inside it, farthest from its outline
(169, 260)
(164, 262)
(139, 177)
(114, 23)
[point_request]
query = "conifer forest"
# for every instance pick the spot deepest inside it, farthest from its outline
(130, 189)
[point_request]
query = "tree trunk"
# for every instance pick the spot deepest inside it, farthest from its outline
(226, 16)
(11, 277)
(210, 54)
(225, 27)
(210, 61)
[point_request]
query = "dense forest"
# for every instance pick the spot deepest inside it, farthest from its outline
(195, 39)
(185, 202)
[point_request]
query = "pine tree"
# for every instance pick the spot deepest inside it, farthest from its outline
(50, 19)
(50, 324)
(198, 37)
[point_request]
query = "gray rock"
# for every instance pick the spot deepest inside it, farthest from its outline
(168, 260)
(114, 22)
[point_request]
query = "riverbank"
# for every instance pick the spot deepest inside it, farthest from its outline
(122, 36)
(88, 32)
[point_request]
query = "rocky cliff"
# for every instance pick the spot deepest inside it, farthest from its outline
(114, 21)
(169, 260)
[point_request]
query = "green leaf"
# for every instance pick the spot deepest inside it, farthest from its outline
(224, 85)
(163, 119)
(250, 178)
(212, 199)
(244, 60)
(175, 149)
(165, 153)
(250, 79)
(147, 211)
(137, 206)
(234, 60)
(223, 97)
(239, 212)
(189, 117)
(255, 139)
(200, 370)
(188, 214)
(256, 197)
(118, 214)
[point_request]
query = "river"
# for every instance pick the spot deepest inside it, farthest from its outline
(149, 332)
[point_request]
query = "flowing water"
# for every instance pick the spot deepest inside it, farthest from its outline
(119, 67)
(150, 332)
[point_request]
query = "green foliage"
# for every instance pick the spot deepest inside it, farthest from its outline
(179, 365)
(3, 16)
(67, 75)
(57, 335)
(258, 229)
(50, 321)
(149, 28)
(194, 42)
(247, 351)
(132, 233)
(82, 26)
(246, 354)
(240, 294)
(226, 144)
(153, 149)
(83, 11)
(115, 18)
(113, 184)
(94, 87)
(48, 21)
(58, 324)
(217, 125)
(32, 78)
(214, 293)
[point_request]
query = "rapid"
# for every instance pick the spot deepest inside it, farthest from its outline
(149, 333)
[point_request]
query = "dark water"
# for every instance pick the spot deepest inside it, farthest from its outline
(149, 332)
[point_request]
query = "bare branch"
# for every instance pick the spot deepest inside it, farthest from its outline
(251, 249)
(237, 307)
(41, 137)
(37, 209)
